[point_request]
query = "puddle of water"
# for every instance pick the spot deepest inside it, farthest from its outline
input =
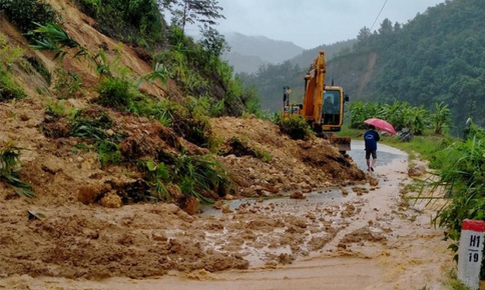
(328, 196)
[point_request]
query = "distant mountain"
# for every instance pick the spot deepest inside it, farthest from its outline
(271, 79)
(244, 63)
(248, 53)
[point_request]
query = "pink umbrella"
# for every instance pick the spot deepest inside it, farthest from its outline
(381, 125)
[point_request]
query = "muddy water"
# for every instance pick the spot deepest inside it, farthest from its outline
(382, 245)
(386, 155)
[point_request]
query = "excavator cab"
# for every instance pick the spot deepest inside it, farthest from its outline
(332, 109)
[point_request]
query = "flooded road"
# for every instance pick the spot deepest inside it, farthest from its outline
(371, 240)
(385, 154)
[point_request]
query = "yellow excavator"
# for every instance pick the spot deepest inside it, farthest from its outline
(322, 107)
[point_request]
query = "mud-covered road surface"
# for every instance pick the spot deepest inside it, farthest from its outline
(361, 237)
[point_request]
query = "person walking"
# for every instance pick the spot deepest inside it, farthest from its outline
(371, 137)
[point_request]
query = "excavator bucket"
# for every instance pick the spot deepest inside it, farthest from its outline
(341, 142)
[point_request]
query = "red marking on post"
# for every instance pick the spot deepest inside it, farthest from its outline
(473, 225)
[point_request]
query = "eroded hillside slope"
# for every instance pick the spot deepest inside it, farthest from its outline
(94, 217)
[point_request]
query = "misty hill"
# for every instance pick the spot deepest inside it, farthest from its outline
(271, 78)
(248, 53)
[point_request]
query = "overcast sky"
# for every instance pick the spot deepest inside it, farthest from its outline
(310, 23)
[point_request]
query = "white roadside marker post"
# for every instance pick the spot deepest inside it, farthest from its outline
(470, 252)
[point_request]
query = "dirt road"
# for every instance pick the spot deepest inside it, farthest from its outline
(359, 240)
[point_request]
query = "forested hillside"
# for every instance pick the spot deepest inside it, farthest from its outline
(436, 57)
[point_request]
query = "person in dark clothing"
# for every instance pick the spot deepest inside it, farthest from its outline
(371, 137)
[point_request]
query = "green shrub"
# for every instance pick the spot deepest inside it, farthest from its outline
(26, 14)
(108, 152)
(159, 110)
(135, 21)
(91, 124)
(117, 93)
(295, 127)
(156, 175)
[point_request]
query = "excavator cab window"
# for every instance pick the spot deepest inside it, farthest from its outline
(331, 107)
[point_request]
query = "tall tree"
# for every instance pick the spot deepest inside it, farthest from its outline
(213, 42)
(191, 11)
(386, 27)
(364, 34)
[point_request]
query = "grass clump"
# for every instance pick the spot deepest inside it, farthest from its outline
(295, 127)
(117, 93)
(199, 176)
(461, 183)
(94, 125)
(8, 88)
(9, 171)
(67, 84)
(157, 175)
(8, 55)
